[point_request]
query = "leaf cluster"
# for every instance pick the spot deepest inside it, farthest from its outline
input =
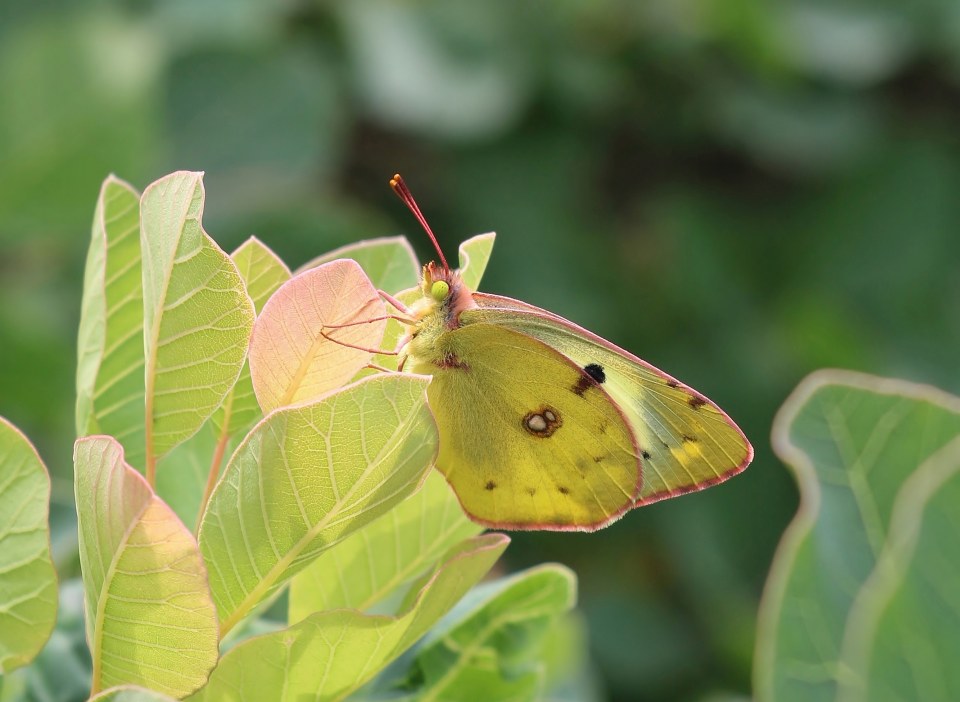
(257, 514)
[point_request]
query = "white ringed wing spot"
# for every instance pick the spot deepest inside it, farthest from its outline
(537, 423)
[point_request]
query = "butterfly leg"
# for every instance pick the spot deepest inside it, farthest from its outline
(380, 369)
(381, 352)
(402, 320)
(395, 302)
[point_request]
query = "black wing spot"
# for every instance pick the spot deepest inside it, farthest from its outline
(646, 455)
(563, 490)
(592, 375)
(595, 371)
(598, 459)
(696, 402)
(672, 383)
(689, 439)
(490, 485)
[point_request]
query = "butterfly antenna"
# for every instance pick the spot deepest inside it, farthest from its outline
(403, 192)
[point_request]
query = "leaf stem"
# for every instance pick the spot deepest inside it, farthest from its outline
(214, 473)
(151, 462)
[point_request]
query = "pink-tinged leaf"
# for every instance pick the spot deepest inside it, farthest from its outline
(390, 261)
(150, 617)
(291, 358)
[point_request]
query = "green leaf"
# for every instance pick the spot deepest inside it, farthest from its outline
(389, 262)
(188, 473)
(308, 476)
(61, 671)
(330, 654)
(474, 255)
(197, 314)
(150, 618)
(376, 562)
(28, 581)
(110, 388)
(853, 441)
(301, 347)
(131, 693)
(495, 638)
(261, 269)
(903, 636)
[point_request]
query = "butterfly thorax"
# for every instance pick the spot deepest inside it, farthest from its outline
(437, 312)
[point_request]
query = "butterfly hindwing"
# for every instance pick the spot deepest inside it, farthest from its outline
(528, 439)
(686, 441)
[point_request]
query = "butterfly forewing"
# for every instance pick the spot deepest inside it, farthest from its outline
(527, 440)
(686, 442)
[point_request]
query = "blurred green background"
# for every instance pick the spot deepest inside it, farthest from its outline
(739, 191)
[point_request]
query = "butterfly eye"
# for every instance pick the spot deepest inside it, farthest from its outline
(439, 290)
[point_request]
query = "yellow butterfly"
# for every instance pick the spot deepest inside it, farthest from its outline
(544, 425)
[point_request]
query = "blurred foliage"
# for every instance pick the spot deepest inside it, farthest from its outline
(739, 191)
(859, 605)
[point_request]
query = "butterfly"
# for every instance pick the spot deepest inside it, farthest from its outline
(544, 425)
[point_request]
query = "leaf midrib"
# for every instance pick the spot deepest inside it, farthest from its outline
(272, 575)
(151, 360)
(96, 648)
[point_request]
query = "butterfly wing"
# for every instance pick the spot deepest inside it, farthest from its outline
(522, 448)
(687, 443)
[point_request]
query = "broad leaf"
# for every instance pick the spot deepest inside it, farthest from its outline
(290, 358)
(110, 388)
(474, 255)
(330, 654)
(389, 262)
(197, 314)
(61, 671)
(150, 618)
(131, 693)
(375, 563)
(494, 640)
(853, 441)
(187, 474)
(28, 582)
(902, 639)
(308, 476)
